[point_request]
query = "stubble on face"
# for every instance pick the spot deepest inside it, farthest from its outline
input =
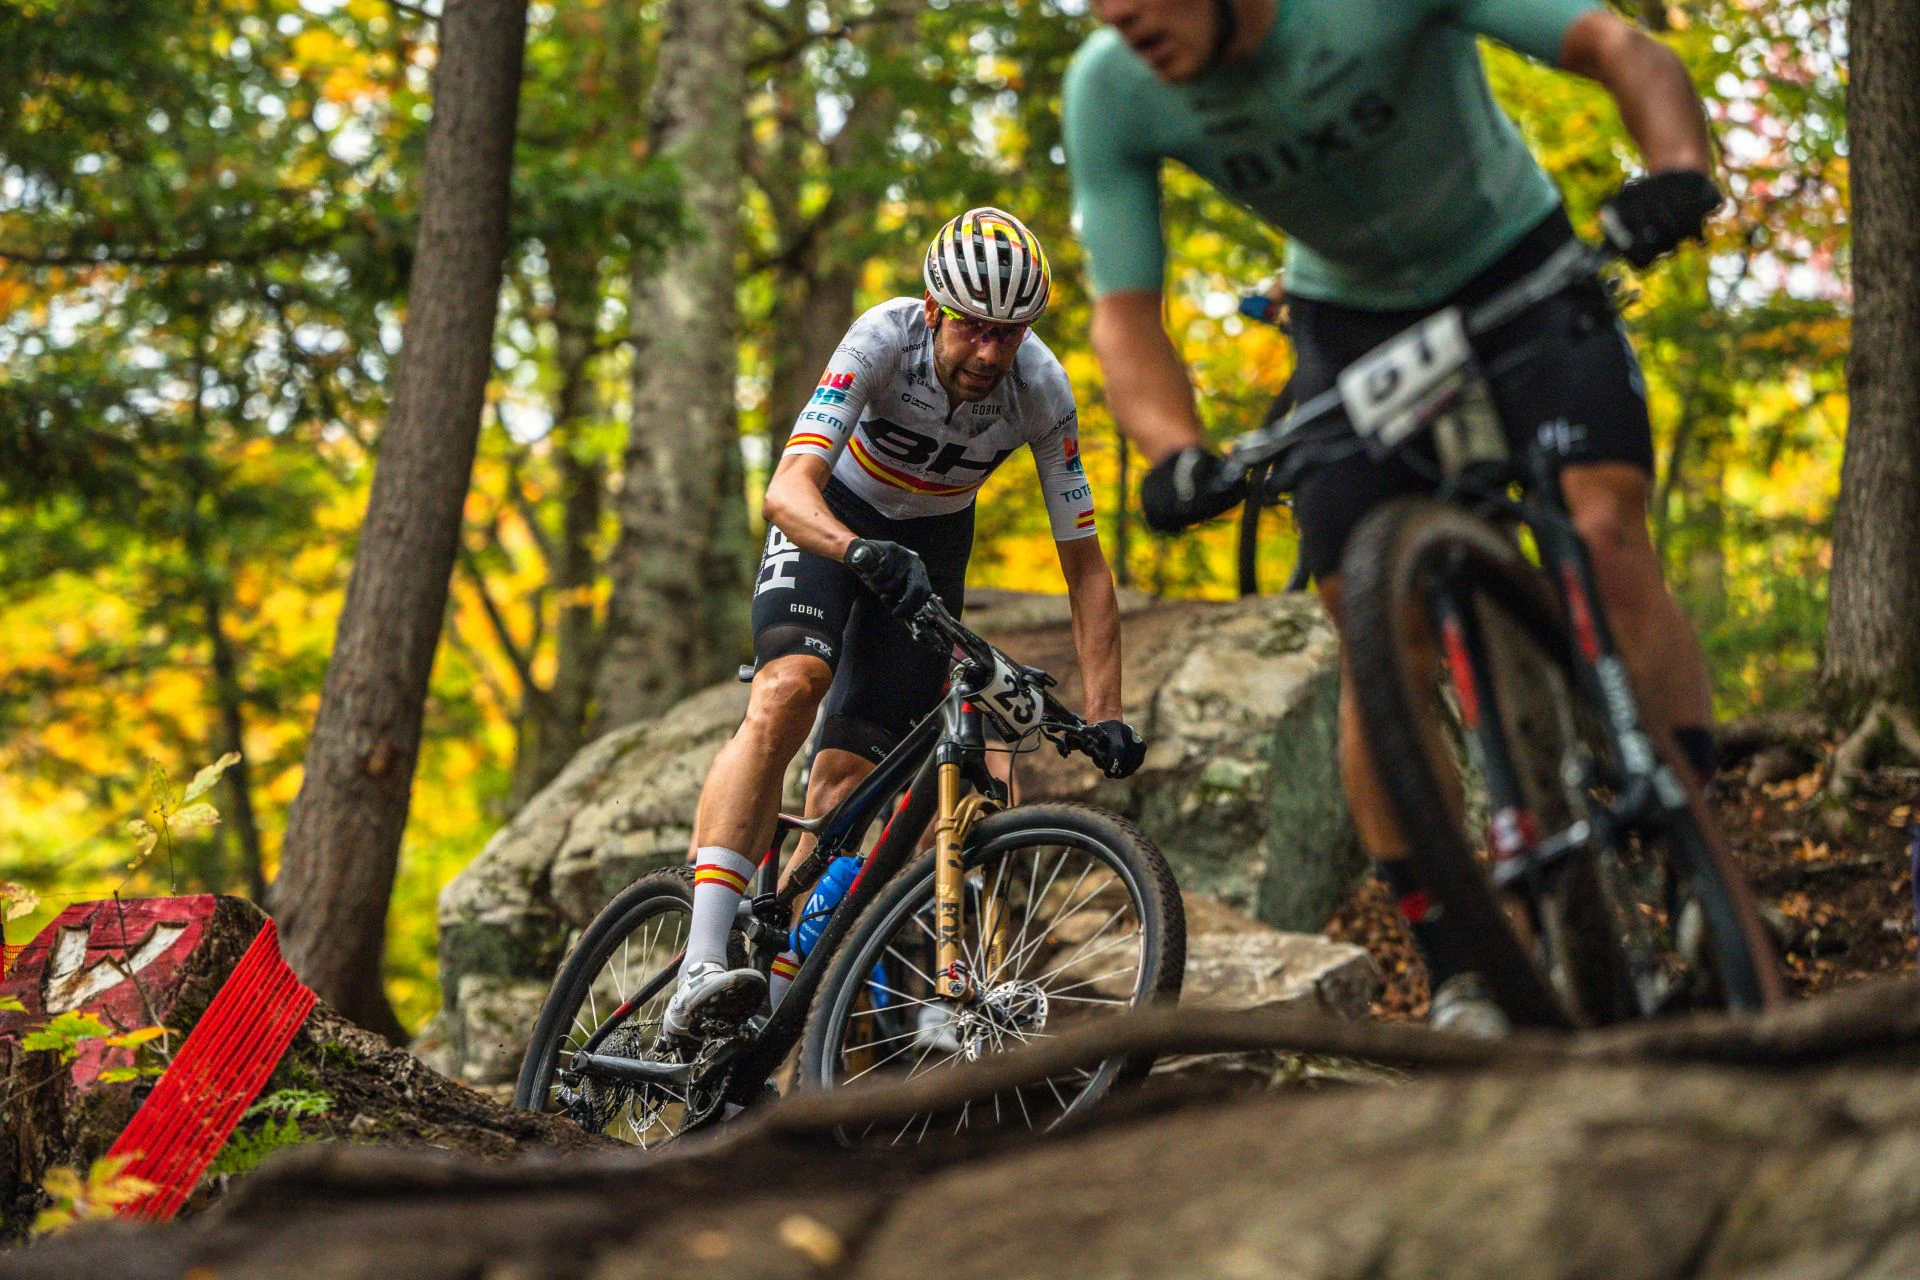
(967, 374)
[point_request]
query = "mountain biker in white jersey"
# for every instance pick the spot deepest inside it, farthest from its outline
(921, 401)
(1368, 134)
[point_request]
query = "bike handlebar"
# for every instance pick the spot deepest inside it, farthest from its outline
(1311, 436)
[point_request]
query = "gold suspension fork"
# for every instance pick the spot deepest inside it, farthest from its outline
(956, 817)
(954, 981)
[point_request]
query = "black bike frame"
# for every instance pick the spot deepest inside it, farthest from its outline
(950, 732)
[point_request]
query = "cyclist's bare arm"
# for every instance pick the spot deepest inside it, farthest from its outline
(1649, 84)
(1147, 384)
(796, 503)
(1096, 625)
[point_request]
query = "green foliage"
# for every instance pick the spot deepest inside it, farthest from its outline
(65, 1033)
(247, 1148)
(277, 1117)
(291, 1104)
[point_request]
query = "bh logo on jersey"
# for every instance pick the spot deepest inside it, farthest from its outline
(833, 389)
(1070, 447)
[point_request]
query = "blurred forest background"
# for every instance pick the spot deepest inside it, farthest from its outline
(208, 214)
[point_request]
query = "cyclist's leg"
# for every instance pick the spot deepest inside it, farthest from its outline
(800, 607)
(1607, 482)
(1327, 509)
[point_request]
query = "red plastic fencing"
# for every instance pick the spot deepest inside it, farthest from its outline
(214, 1077)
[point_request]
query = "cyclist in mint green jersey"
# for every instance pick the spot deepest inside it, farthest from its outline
(1366, 132)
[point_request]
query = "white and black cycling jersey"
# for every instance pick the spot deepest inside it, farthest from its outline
(882, 419)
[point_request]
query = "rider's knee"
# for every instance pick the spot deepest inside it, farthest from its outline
(1612, 521)
(785, 695)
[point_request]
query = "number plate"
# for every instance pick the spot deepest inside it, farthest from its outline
(1008, 700)
(1389, 391)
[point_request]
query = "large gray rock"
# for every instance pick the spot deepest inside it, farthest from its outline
(1235, 962)
(1239, 790)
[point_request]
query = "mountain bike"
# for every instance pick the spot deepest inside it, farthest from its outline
(1569, 858)
(1017, 924)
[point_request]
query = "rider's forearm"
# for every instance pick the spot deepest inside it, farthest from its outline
(1096, 626)
(1649, 84)
(796, 506)
(1147, 385)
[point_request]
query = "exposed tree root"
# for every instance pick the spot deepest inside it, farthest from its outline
(1855, 753)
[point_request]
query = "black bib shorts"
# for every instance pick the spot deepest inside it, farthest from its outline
(883, 680)
(1585, 384)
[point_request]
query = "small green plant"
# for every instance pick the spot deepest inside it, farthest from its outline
(106, 1187)
(66, 1032)
(280, 1112)
(169, 816)
(291, 1103)
(11, 1004)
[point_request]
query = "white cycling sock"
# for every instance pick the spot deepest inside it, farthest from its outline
(785, 965)
(719, 879)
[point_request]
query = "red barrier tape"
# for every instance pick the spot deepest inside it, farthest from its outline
(214, 1077)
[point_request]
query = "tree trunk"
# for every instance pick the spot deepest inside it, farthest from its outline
(1873, 621)
(677, 617)
(343, 835)
(815, 311)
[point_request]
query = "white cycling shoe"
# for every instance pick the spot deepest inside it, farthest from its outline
(934, 1029)
(713, 998)
(1463, 1005)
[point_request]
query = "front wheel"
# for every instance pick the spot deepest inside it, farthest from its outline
(1472, 707)
(1093, 926)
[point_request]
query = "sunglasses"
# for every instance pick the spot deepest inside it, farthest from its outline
(981, 331)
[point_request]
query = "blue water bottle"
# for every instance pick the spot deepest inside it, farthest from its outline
(826, 895)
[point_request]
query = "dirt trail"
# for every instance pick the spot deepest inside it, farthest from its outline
(1640, 1152)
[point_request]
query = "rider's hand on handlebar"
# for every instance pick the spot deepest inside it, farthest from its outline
(1115, 747)
(1650, 217)
(1188, 487)
(894, 573)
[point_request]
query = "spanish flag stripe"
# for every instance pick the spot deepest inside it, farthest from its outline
(880, 471)
(721, 875)
(822, 441)
(785, 968)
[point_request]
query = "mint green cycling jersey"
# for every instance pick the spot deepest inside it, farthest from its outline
(1363, 129)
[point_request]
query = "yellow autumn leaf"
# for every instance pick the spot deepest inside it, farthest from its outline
(138, 1036)
(17, 900)
(194, 817)
(203, 781)
(144, 838)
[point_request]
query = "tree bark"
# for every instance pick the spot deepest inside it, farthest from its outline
(1873, 621)
(343, 835)
(677, 617)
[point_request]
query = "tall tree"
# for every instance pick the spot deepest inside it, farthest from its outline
(343, 834)
(677, 616)
(1873, 625)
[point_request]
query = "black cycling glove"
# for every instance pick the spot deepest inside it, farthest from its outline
(895, 573)
(1116, 748)
(1650, 217)
(1185, 488)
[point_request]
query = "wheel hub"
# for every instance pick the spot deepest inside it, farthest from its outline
(1004, 1018)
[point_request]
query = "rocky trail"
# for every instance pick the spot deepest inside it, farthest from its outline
(1785, 1146)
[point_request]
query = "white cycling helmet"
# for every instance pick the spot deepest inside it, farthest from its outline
(986, 264)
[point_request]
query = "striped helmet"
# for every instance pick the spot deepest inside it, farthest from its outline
(986, 264)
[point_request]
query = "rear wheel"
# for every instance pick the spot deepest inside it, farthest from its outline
(1094, 927)
(629, 955)
(1468, 697)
